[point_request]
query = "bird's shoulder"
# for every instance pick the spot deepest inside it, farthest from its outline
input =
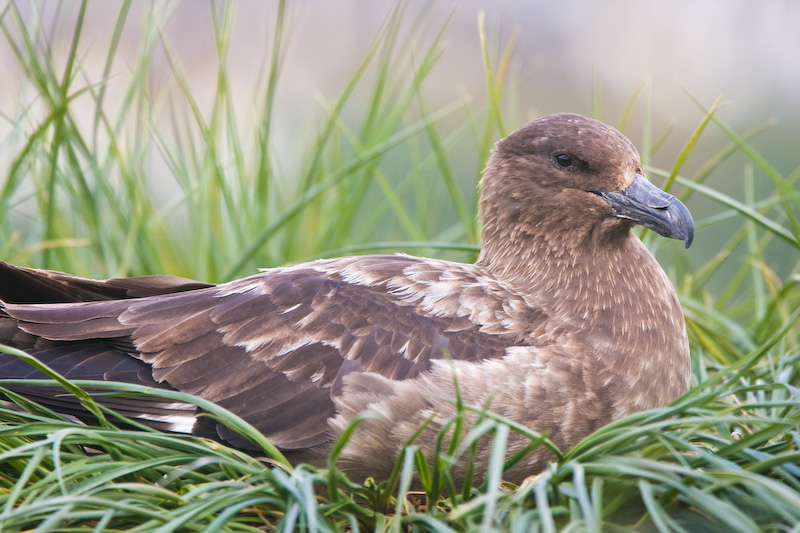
(392, 314)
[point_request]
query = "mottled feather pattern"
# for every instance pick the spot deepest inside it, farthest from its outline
(565, 322)
(300, 323)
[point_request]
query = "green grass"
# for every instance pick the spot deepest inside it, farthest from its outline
(79, 193)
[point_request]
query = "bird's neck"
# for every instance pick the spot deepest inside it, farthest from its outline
(616, 295)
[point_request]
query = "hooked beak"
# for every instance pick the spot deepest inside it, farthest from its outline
(645, 204)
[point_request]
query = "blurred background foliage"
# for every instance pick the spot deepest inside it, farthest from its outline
(199, 127)
(209, 139)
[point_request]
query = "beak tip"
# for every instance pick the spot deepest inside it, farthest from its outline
(685, 223)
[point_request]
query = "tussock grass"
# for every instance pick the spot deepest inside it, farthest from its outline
(78, 194)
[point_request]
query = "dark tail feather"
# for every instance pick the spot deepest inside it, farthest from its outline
(29, 285)
(100, 362)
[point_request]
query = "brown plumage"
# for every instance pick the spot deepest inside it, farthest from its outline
(565, 322)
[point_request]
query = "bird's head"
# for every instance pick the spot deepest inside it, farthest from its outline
(569, 175)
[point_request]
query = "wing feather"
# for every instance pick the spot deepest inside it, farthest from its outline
(275, 348)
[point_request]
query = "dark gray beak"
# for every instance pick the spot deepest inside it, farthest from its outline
(645, 204)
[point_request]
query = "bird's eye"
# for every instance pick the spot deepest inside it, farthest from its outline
(564, 160)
